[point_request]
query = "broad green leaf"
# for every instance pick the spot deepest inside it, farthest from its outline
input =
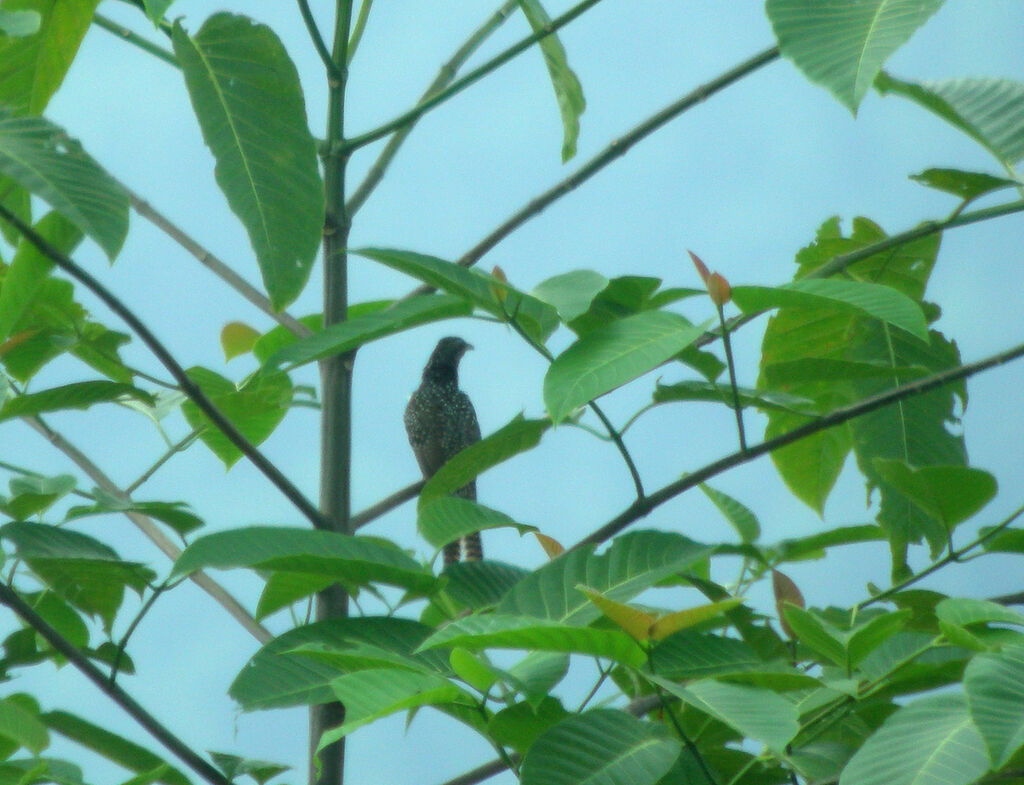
(111, 746)
(42, 158)
(32, 67)
(234, 766)
(1008, 540)
(842, 44)
(756, 713)
(359, 656)
(816, 634)
(284, 588)
(25, 278)
(519, 725)
(372, 694)
(966, 185)
(991, 111)
(867, 637)
(360, 329)
(63, 618)
(633, 562)
(571, 293)
(473, 669)
(31, 495)
(695, 390)
(480, 584)
(742, 519)
(446, 519)
(568, 90)
(255, 409)
(965, 611)
(80, 395)
(517, 436)
(277, 675)
(484, 291)
(690, 655)
(18, 24)
(536, 674)
(931, 740)
(820, 369)
(994, 684)
(612, 356)
(501, 631)
(952, 494)
(600, 747)
(246, 95)
(22, 726)
(869, 299)
(350, 559)
(623, 296)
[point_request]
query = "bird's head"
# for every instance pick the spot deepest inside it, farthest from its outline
(444, 362)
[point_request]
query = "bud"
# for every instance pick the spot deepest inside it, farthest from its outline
(719, 289)
(499, 292)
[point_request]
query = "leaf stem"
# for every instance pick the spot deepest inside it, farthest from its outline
(132, 37)
(171, 451)
(357, 30)
(732, 378)
(318, 40)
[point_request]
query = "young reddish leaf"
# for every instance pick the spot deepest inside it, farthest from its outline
(786, 591)
(719, 289)
(702, 269)
(552, 547)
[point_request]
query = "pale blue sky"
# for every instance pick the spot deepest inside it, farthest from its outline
(743, 180)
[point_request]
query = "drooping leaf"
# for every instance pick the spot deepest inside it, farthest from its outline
(359, 329)
(568, 90)
(952, 494)
(79, 395)
(842, 44)
(991, 111)
(600, 747)
(929, 740)
(635, 621)
(447, 518)
(246, 95)
(255, 409)
(742, 519)
(695, 390)
(612, 356)
(349, 558)
(43, 159)
(283, 588)
(815, 545)
(994, 684)
(177, 515)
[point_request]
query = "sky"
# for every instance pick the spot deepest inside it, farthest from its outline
(743, 180)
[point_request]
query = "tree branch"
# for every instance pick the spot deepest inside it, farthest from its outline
(476, 74)
(641, 508)
(386, 504)
(188, 756)
(132, 37)
(189, 387)
(318, 40)
(444, 77)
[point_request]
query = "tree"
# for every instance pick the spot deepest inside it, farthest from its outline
(699, 676)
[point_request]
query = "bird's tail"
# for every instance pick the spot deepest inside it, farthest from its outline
(473, 547)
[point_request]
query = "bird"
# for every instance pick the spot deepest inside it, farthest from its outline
(440, 422)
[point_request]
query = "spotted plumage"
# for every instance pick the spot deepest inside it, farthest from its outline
(441, 422)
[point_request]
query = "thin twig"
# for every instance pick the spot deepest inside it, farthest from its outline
(616, 437)
(132, 37)
(168, 454)
(188, 756)
(357, 30)
(444, 77)
(476, 74)
(639, 509)
(150, 529)
(318, 40)
(214, 264)
(732, 378)
(115, 667)
(189, 387)
(386, 504)
(684, 736)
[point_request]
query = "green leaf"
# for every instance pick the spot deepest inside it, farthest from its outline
(994, 683)
(815, 545)
(517, 436)
(695, 390)
(929, 740)
(690, 655)
(568, 90)
(950, 493)
(371, 694)
(42, 158)
(571, 293)
(63, 618)
(284, 588)
(502, 631)
(25, 278)
(237, 338)
(756, 713)
(246, 95)
(446, 519)
(842, 44)
(111, 746)
(991, 111)
(537, 674)
(22, 726)
(33, 67)
(966, 185)
(278, 676)
(31, 495)
(634, 562)
(964, 611)
(350, 559)
(816, 634)
(18, 24)
(361, 329)
(177, 515)
(498, 298)
(519, 725)
(613, 355)
(473, 669)
(867, 637)
(255, 409)
(869, 299)
(234, 766)
(80, 395)
(155, 9)
(600, 747)
(481, 584)
(742, 519)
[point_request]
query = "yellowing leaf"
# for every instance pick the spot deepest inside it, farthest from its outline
(634, 621)
(237, 338)
(689, 617)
